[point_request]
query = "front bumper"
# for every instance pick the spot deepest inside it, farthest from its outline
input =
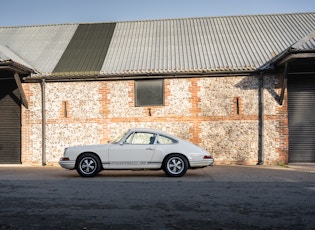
(66, 163)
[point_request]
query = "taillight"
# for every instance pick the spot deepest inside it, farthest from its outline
(64, 159)
(207, 157)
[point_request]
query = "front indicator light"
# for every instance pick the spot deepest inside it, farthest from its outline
(64, 159)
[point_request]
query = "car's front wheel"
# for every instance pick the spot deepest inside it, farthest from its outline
(88, 165)
(175, 165)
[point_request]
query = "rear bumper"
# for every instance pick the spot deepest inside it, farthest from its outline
(203, 163)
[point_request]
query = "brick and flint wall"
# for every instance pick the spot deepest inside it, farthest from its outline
(218, 113)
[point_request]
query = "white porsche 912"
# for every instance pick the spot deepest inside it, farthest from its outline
(137, 149)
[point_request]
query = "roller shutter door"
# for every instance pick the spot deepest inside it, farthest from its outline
(10, 123)
(301, 109)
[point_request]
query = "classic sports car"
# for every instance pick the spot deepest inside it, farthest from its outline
(137, 149)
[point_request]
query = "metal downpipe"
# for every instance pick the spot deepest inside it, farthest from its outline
(261, 112)
(43, 123)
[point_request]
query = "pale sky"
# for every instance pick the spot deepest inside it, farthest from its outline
(41, 12)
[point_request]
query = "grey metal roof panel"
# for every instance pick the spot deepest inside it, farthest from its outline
(8, 55)
(236, 43)
(306, 43)
(86, 51)
(310, 45)
(40, 46)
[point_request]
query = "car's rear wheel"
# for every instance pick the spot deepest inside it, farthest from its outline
(175, 165)
(88, 165)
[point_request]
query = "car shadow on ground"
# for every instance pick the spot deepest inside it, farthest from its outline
(137, 174)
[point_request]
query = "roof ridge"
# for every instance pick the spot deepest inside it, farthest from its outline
(160, 19)
(40, 25)
(223, 16)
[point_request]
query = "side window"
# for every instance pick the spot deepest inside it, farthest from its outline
(163, 140)
(140, 138)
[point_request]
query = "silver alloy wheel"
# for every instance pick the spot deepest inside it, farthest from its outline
(175, 165)
(88, 165)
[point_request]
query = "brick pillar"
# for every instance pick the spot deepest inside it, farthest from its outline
(283, 130)
(195, 111)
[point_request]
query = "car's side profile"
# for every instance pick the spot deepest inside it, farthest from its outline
(137, 149)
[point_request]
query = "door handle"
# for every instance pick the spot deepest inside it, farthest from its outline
(149, 148)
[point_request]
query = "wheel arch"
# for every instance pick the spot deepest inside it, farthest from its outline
(175, 153)
(88, 152)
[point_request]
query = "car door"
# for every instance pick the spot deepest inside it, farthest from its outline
(135, 152)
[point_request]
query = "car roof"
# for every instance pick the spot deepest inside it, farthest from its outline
(152, 130)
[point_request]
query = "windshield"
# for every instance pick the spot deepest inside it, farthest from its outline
(118, 139)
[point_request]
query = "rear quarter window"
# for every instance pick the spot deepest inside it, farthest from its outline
(164, 140)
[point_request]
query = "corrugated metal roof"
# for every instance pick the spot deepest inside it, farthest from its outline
(306, 43)
(170, 46)
(237, 43)
(86, 51)
(8, 55)
(40, 46)
(310, 45)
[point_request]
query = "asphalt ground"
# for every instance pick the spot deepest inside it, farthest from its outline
(218, 197)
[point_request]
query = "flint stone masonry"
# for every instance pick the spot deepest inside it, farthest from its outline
(231, 141)
(83, 98)
(177, 102)
(121, 104)
(270, 95)
(217, 95)
(200, 110)
(64, 135)
(237, 141)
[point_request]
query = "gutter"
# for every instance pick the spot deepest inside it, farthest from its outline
(116, 77)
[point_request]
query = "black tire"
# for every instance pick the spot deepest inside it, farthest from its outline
(88, 165)
(175, 165)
